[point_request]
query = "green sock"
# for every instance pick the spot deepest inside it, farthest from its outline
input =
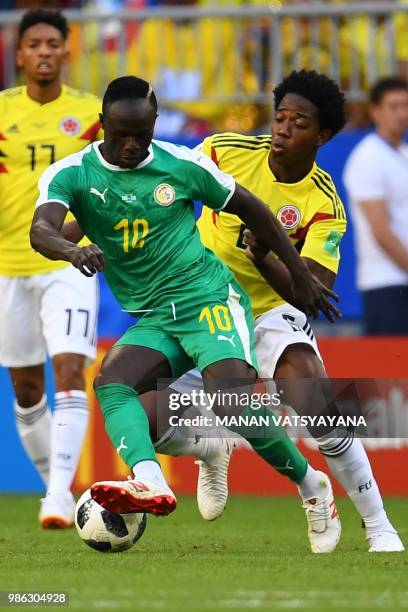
(275, 446)
(126, 423)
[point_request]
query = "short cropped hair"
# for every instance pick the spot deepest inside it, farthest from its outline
(319, 89)
(128, 87)
(385, 85)
(50, 17)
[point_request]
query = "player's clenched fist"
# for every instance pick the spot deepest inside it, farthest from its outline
(88, 259)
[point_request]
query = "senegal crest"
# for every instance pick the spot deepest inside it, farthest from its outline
(164, 194)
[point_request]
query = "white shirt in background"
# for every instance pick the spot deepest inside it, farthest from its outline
(375, 170)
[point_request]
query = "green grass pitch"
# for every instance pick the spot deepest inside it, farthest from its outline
(255, 557)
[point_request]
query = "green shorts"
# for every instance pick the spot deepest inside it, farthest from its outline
(195, 332)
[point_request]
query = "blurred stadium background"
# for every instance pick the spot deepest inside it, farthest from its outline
(214, 66)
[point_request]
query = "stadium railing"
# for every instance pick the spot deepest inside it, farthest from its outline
(238, 53)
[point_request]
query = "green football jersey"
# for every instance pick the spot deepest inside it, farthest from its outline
(143, 218)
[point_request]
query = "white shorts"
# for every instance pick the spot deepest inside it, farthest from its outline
(47, 313)
(274, 332)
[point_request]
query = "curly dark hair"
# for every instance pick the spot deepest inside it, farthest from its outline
(50, 17)
(323, 92)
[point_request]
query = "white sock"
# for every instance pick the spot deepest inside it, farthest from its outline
(69, 424)
(34, 426)
(349, 464)
(311, 484)
(174, 443)
(150, 471)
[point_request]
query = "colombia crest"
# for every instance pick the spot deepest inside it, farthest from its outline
(289, 216)
(70, 126)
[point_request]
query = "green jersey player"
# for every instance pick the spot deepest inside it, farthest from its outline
(133, 197)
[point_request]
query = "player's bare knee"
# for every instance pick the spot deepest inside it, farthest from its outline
(108, 376)
(230, 378)
(28, 392)
(225, 371)
(299, 361)
(69, 372)
(100, 381)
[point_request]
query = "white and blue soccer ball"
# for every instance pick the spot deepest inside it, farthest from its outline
(104, 530)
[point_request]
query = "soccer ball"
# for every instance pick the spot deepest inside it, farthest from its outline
(104, 530)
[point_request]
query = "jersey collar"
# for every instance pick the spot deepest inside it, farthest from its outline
(103, 161)
(303, 181)
(28, 100)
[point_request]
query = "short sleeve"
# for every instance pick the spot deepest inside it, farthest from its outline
(208, 183)
(57, 184)
(363, 175)
(322, 242)
(205, 146)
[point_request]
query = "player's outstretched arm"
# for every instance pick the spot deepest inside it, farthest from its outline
(309, 293)
(277, 275)
(46, 237)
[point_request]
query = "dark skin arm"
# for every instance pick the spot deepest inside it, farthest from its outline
(47, 238)
(72, 232)
(308, 292)
(278, 277)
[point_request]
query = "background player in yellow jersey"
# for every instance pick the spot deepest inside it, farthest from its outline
(46, 306)
(281, 169)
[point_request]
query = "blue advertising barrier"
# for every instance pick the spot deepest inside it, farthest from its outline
(332, 158)
(17, 473)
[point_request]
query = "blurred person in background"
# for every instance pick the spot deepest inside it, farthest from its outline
(376, 178)
(371, 47)
(105, 44)
(374, 39)
(360, 48)
(190, 62)
(46, 306)
(306, 41)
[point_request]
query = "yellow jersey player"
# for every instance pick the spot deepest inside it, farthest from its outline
(46, 306)
(184, 295)
(281, 169)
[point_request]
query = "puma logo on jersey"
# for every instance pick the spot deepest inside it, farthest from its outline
(221, 338)
(122, 445)
(99, 194)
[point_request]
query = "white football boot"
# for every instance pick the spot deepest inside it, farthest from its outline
(124, 497)
(212, 485)
(324, 527)
(385, 541)
(57, 511)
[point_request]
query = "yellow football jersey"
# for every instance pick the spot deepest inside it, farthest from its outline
(33, 136)
(178, 65)
(310, 211)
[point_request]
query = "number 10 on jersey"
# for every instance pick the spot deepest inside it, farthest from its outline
(217, 318)
(134, 233)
